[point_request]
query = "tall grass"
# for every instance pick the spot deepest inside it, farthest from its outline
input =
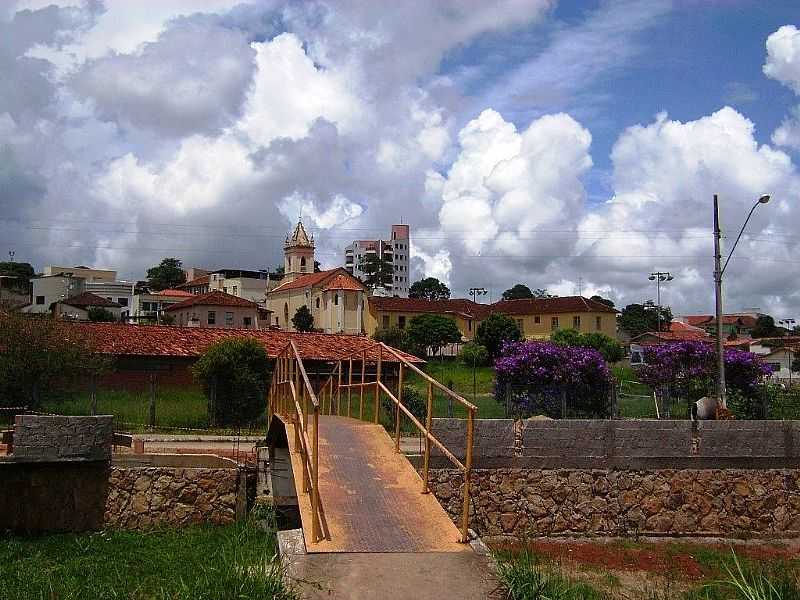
(524, 578)
(200, 562)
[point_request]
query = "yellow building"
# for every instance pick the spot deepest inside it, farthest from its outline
(537, 318)
(336, 299)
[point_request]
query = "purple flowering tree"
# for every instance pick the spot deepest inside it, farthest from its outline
(688, 370)
(544, 378)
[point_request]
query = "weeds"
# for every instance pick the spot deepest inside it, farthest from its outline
(525, 579)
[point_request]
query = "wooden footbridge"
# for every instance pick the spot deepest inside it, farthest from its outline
(356, 491)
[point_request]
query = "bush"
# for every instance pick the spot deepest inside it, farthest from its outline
(98, 314)
(610, 348)
(537, 377)
(394, 337)
(495, 331)
(235, 370)
(412, 399)
(473, 354)
(303, 320)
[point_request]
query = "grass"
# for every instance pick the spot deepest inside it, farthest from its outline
(525, 577)
(197, 563)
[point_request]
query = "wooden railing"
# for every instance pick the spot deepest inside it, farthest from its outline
(331, 402)
(292, 397)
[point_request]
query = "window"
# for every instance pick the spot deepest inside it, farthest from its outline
(224, 289)
(317, 303)
(598, 323)
(229, 319)
(122, 301)
(336, 299)
(303, 263)
(775, 366)
(537, 319)
(247, 322)
(39, 299)
(469, 325)
(401, 322)
(212, 317)
(576, 322)
(236, 290)
(554, 323)
(386, 321)
(521, 325)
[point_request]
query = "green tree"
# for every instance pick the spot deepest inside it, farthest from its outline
(98, 314)
(303, 320)
(608, 347)
(41, 358)
(639, 318)
(429, 333)
(167, 274)
(494, 331)
(543, 293)
(378, 272)
(765, 327)
(22, 272)
(473, 354)
(601, 300)
(429, 288)
(518, 292)
(393, 336)
(235, 371)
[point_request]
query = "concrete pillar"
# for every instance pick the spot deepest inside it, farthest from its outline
(359, 316)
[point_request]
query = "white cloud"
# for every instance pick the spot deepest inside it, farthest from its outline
(338, 212)
(788, 133)
(783, 57)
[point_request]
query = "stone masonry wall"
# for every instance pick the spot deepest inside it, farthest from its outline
(510, 503)
(51, 438)
(142, 498)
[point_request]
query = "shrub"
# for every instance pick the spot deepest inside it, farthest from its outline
(608, 347)
(303, 320)
(473, 354)
(98, 314)
(495, 331)
(235, 370)
(394, 337)
(412, 399)
(540, 376)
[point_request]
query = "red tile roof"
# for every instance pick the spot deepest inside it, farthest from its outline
(202, 280)
(162, 340)
(87, 299)
(313, 279)
(566, 304)
(215, 298)
(466, 308)
(344, 282)
(174, 293)
(697, 320)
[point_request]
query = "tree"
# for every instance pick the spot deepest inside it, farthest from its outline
(22, 272)
(393, 336)
(608, 347)
(430, 333)
(765, 327)
(543, 293)
(41, 357)
(639, 318)
(167, 274)
(378, 272)
(496, 330)
(235, 372)
(303, 320)
(518, 292)
(429, 288)
(601, 300)
(473, 354)
(98, 314)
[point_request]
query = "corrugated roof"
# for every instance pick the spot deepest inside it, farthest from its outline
(215, 298)
(169, 341)
(87, 299)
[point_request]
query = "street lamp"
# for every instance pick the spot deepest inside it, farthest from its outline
(659, 277)
(719, 271)
(477, 291)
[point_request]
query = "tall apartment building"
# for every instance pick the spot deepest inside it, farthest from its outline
(395, 250)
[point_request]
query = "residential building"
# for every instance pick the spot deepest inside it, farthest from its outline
(89, 274)
(76, 308)
(195, 272)
(48, 289)
(335, 298)
(215, 310)
(59, 283)
(120, 292)
(252, 285)
(197, 285)
(732, 324)
(539, 318)
(386, 313)
(781, 360)
(395, 250)
(150, 306)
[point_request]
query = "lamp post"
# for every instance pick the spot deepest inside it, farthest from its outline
(659, 277)
(477, 291)
(719, 271)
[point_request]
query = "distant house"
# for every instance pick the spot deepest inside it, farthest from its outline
(335, 298)
(198, 285)
(150, 306)
(386, 313)
(732, 324)
(216, 310)
(77, 308)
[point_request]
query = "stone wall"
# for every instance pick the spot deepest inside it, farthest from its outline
(518, 503)
(146, 497)
(51, 438)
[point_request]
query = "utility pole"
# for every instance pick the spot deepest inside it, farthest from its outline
(477, 291)
(718, 306)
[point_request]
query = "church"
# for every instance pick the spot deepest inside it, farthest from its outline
(336, 299)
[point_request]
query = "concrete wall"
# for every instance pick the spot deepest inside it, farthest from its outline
(44, 438)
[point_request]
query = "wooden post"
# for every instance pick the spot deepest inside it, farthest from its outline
(377, 385)
(152, 416)
(398, 412)
(349, 384)
(315, 531)
(361, 387)
(428, 421)
(467, 475)
(339, 391)
(93, 393)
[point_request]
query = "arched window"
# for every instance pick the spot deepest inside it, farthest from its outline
(317, 301)
(302, 263)
(336, 299)
(286, 314)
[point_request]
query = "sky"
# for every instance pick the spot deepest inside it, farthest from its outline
(569, 145)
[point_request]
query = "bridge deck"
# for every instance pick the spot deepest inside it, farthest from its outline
(371, 495)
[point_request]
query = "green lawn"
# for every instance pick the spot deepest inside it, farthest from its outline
(200, 562)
